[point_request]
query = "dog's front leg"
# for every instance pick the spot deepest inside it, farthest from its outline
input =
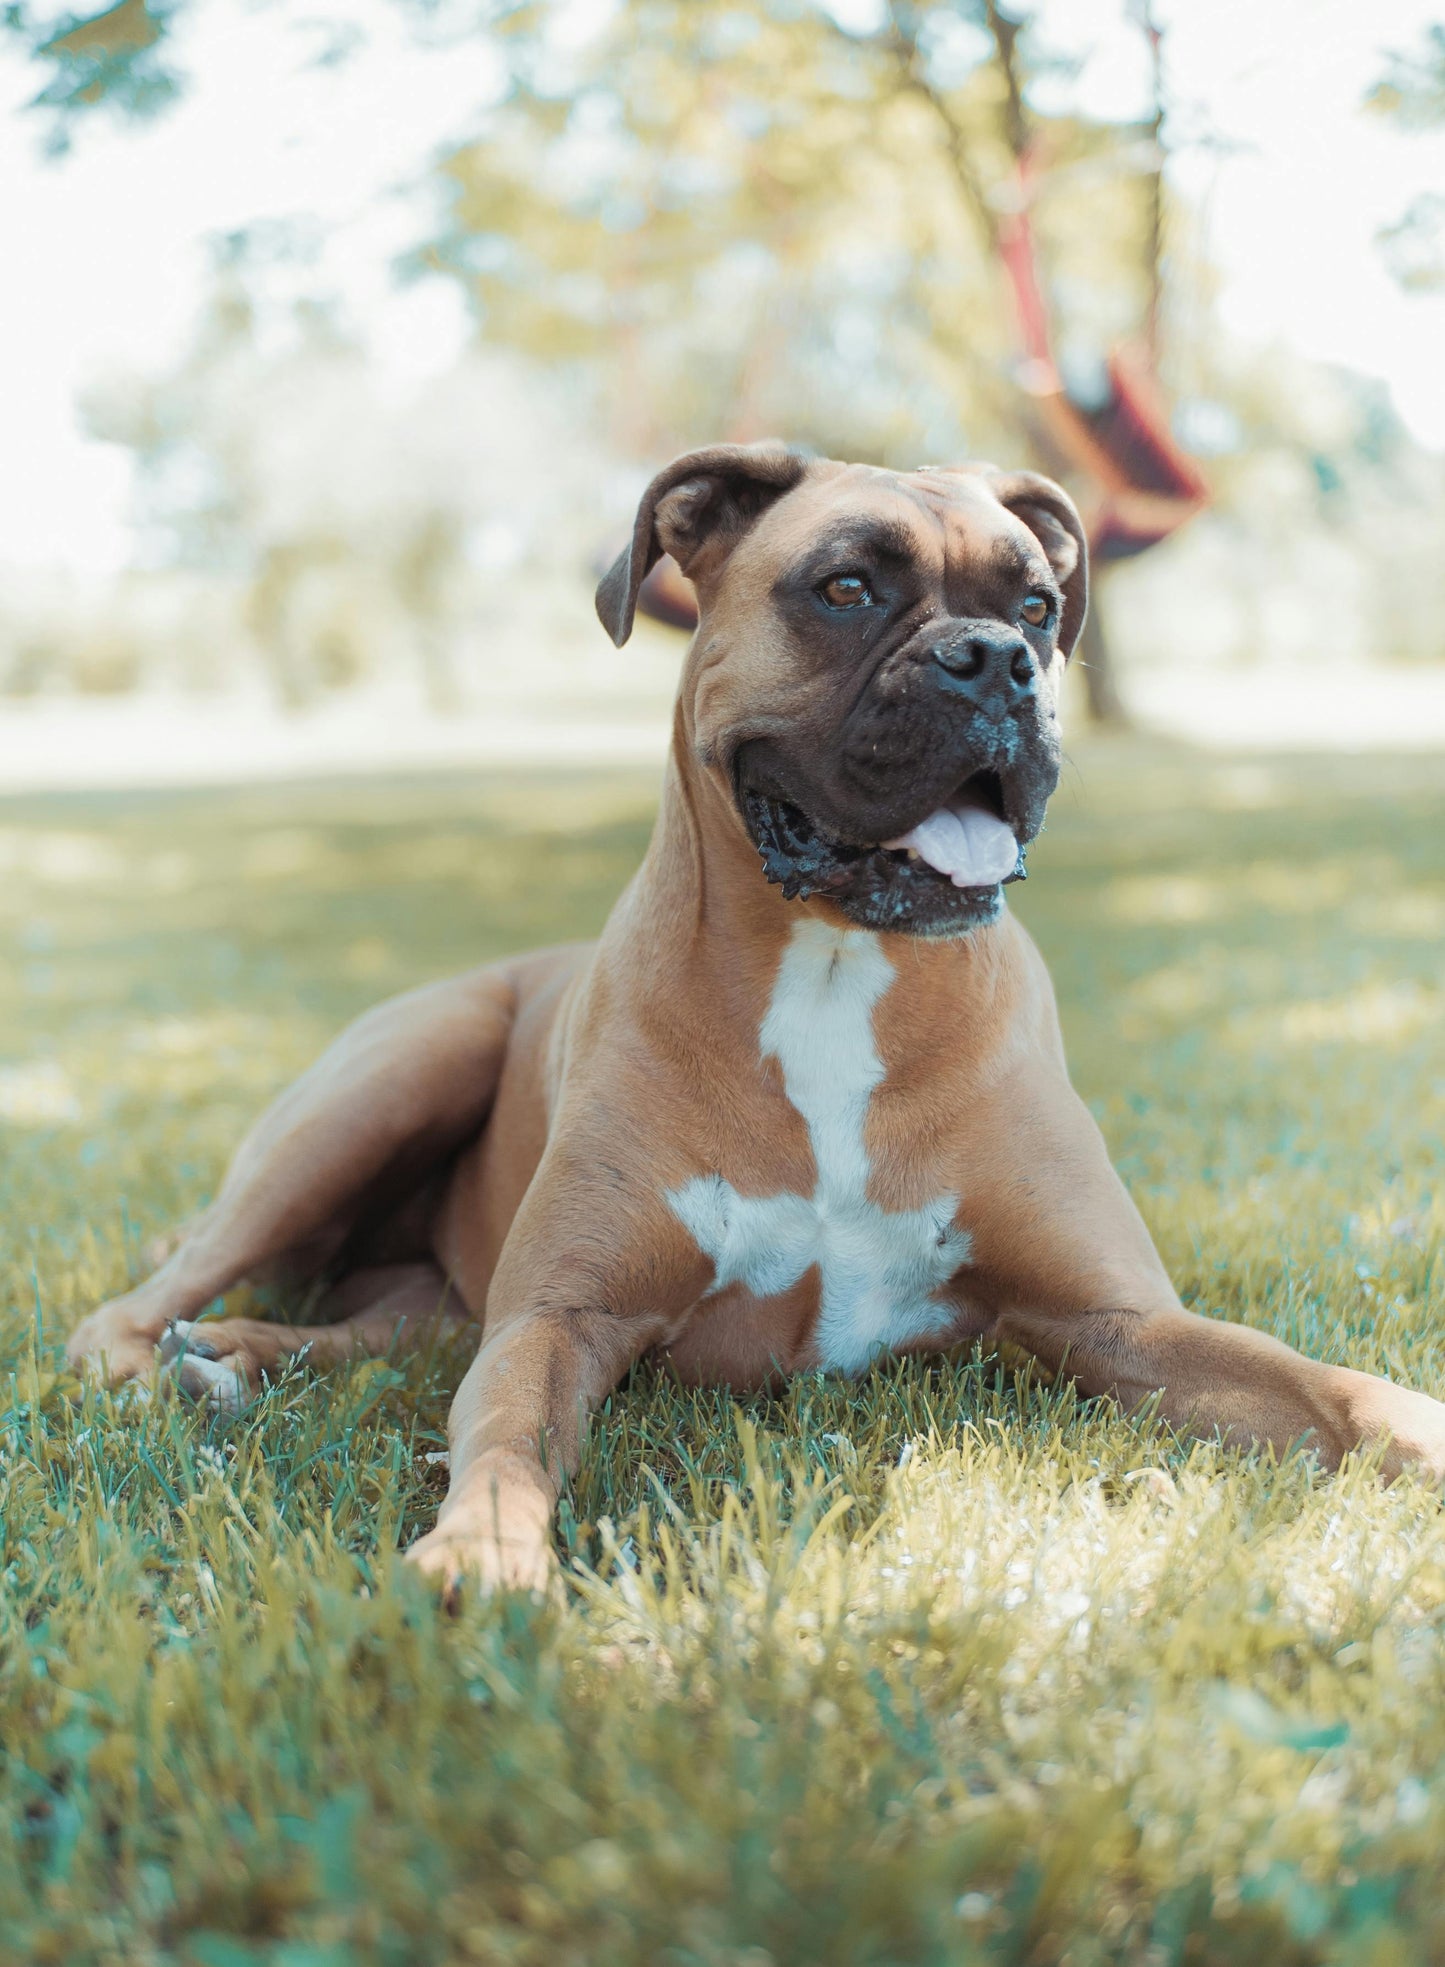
(594, 1273)
(1208, 1377)
(515, 1431)
(1074, 1278)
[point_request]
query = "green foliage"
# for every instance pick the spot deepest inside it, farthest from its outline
(1414, 246)
(731, 220)
(754, 217)
(1412, 94)
(114, 57)
(1412, 89)
(938, 1667)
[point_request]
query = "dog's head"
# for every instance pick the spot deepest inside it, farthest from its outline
(875, 675)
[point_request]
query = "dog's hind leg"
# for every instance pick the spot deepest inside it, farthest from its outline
(385, 1106)
(388, 1308)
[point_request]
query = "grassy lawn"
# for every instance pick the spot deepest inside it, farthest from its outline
(938, 1667)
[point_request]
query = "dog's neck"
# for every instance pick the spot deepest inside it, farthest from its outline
(730, 928)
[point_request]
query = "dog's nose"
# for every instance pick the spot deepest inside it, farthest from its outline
(993, 666)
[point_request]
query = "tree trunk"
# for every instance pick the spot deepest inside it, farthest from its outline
(1101, 679)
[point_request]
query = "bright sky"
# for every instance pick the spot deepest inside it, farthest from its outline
(104, 258)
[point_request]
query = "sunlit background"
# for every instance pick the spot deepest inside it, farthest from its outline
(335, 347)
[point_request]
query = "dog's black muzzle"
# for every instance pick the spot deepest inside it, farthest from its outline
(962, 709)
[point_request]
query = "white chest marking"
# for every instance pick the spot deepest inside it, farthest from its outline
(878, 1271)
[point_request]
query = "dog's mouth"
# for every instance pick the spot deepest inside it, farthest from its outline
(943, 876)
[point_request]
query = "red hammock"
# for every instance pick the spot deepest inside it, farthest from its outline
(1146, 486)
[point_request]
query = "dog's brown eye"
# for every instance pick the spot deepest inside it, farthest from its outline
(1036, 610)
(846, 591)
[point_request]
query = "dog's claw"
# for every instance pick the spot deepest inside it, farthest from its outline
(456, 1563)
(179, 1339)
(201, 1371)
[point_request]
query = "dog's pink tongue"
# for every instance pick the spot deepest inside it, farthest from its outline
(969, 844)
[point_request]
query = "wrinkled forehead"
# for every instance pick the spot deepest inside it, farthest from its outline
(933, 518)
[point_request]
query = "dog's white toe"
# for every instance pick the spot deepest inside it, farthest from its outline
(221, 1382)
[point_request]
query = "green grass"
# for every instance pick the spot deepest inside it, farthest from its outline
(939, 1667)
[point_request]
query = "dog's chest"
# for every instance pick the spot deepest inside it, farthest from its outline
(878, 1269)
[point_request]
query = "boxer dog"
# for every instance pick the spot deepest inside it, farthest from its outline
(804, 1104)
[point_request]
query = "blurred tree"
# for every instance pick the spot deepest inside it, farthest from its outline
(113, 57)
(847, 224)
(1412, 94)
(765, 163)
(353, 527)
(1412, 89)
(841, 219)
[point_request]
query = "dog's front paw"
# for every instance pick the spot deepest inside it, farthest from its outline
(1411, 1425)
(455, 1557)
(211, 1361)
(114, 1346)
(1416, 1424)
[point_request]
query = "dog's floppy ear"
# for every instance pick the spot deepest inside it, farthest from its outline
(1053, 519)
(696, 509)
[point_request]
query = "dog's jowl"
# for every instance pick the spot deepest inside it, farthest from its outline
(805, 1100)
